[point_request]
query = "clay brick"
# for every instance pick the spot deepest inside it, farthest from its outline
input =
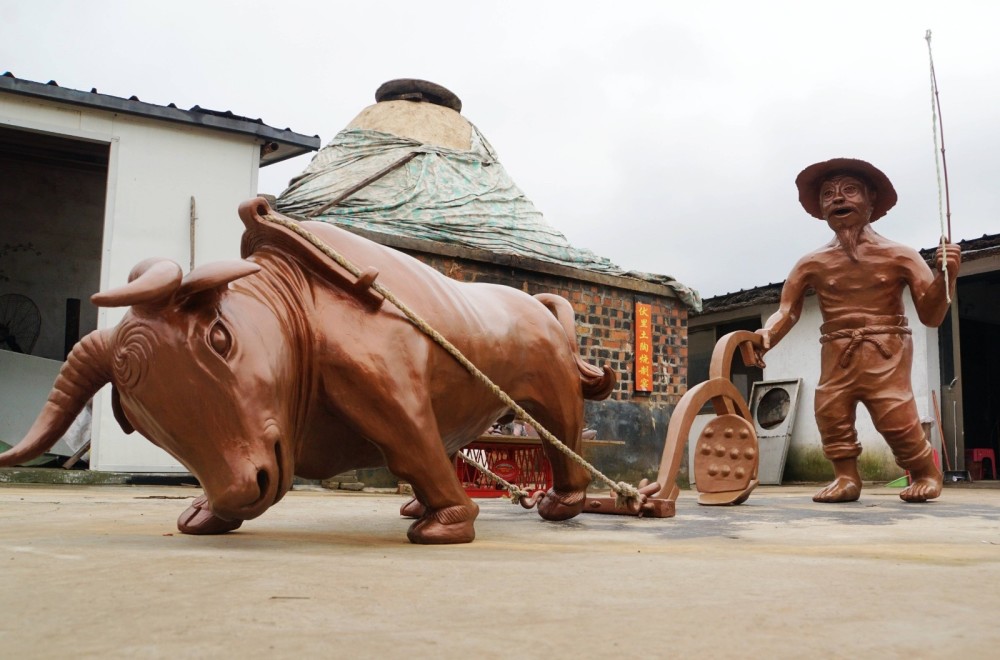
(605, 319)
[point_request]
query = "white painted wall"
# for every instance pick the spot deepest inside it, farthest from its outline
(155, 168)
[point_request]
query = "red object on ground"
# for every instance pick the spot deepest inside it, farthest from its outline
(519, 460)
(974, 461)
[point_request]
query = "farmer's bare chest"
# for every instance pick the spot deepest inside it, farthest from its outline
(871, 285)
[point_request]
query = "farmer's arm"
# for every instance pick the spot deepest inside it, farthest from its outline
(790, 307)
(929, 288)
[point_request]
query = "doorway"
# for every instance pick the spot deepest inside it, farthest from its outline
(979, 342)
(51, 237)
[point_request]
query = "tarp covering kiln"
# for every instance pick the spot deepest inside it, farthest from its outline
(412, 166)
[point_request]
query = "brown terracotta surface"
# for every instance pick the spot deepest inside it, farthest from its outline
(251, 372)
(859, 278)
(726, 453)
(725, 457)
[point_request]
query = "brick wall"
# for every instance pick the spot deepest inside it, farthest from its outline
(605, 318)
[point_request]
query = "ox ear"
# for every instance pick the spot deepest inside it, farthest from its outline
(152, 282)
(116, 407)
(214, 276)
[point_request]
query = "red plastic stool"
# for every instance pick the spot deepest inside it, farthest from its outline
(977, 455)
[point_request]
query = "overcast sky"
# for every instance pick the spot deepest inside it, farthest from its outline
(665, 136)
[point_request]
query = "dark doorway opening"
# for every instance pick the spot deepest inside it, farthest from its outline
(979, 342)
(52, 231)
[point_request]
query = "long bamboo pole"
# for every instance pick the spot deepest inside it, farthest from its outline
(937, 126)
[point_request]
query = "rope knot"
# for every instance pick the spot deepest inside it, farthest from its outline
(857, 336)
(628, 497)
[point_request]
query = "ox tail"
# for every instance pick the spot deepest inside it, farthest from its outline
(597, 383)
(86, 370)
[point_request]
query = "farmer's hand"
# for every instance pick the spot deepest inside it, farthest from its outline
(951, 252)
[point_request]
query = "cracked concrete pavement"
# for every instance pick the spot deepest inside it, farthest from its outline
(102, 571)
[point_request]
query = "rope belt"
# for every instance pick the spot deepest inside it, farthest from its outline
(861, 335)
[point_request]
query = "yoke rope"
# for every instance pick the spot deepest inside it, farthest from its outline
(517, 494)
(625, 491)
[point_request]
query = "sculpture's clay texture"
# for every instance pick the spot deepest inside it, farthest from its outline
(867, 350)
(726, 453)
(725, 459)
(281, 364)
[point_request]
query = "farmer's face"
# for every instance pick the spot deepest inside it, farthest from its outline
(845, 200)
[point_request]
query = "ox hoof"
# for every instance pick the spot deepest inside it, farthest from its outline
(453, 524)
(198, 519)
(557, 505)
(413, 509)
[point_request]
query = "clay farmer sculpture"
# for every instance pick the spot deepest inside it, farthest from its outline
(284, 364)
(867, 350)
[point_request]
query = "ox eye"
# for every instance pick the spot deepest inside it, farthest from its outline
(220, 339)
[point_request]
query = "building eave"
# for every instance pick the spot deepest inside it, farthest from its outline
(281, 144)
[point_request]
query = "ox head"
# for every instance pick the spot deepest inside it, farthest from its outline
(192, 375)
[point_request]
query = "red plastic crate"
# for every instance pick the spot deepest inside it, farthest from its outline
(519, 460)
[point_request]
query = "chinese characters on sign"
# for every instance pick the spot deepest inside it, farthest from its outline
(643, 348)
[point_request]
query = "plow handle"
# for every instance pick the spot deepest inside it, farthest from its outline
(718, 390)
(722, 355)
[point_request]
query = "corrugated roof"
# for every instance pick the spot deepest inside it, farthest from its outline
(760, 295)
(289, 143)
(972, 249)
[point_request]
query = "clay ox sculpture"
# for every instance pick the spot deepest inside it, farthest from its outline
(867, 350)
(250, 372)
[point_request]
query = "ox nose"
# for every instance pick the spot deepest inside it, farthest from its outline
(263, 483)
(264, 478)
(257, 485)
(245, 501)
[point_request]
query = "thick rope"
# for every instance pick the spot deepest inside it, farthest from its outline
(625, 491)
(866, 334)
(516, 494)
(937, 165)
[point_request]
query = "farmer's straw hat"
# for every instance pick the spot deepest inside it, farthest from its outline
(810, 179)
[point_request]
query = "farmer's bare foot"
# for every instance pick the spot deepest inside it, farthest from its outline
(925, 484)
(841, 489)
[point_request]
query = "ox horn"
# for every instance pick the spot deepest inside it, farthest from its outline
(151, 281)
(214, 275)
(86, 370)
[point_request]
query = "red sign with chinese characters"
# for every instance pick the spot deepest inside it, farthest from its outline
(643, 347)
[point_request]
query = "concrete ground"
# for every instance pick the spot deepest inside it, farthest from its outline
(100, 571)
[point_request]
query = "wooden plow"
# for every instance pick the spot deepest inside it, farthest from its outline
(726, 453)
